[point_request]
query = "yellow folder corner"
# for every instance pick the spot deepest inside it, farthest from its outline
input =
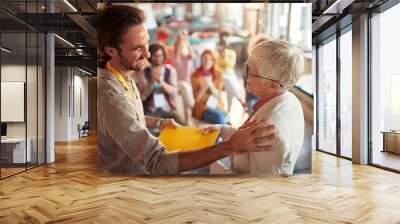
(186, 138)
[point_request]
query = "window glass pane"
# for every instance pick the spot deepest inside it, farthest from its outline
(327, 97)
(13, 87)
(300, 25)
(31, 96)
(306, 82)
(232, 16)
(22, 87)
(278, 15)
(346, 93)
(386, 89)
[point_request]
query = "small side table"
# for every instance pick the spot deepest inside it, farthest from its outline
(391, 141)
(13, 150)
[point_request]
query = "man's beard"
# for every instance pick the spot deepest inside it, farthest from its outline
(128, 64)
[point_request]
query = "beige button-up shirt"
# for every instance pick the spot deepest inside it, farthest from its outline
(124, 145)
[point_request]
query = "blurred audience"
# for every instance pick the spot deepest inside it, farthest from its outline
(207, 84)
(183, 61)
(227, 62)
(201, 88)
(158, 86)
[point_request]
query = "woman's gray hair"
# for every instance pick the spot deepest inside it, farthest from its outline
(278, 60)
(258, 38)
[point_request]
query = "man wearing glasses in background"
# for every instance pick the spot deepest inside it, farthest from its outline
(273, 68)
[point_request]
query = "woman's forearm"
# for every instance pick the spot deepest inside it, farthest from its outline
(170, 89)
(200, 94)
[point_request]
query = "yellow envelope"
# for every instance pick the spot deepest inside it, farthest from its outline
(186, 138)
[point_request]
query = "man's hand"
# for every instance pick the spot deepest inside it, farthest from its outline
(210, 128)
(168, 123)
(253, 136)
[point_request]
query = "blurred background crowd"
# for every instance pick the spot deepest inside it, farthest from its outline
(195, 73)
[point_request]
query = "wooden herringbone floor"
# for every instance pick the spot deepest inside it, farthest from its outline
(70, 191)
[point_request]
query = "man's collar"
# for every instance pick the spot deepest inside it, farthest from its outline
(104, 73)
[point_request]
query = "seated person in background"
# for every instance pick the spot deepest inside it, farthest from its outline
(273, 67)
(183, 55)
(227, 62)
(207, 84)
(158, 86)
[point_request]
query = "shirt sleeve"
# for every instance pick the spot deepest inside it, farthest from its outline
(174, 80)
(123, 126)
(231, 59)
(227, 131)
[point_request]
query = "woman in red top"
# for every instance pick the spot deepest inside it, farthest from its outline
(207, 84)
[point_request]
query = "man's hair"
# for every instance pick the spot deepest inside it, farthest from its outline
(223, 33)
(278, 60)
(223, 43)
(153, 48)
(112, 24)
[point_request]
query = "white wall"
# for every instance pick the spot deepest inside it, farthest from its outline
(15, 73)
(61, 103)
(33, 127)
(81, 103)
(71, 94)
